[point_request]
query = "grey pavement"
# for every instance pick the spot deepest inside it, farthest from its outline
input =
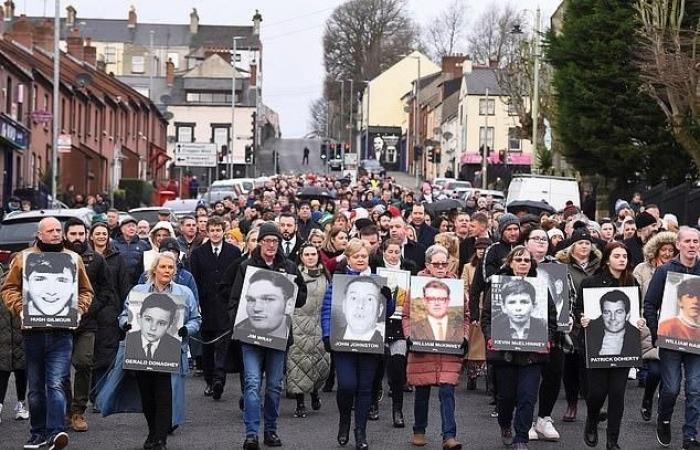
(218, 425)
(291, 152)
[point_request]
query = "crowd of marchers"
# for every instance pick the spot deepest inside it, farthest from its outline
(352, 229)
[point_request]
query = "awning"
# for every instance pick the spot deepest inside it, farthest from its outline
(514, 159)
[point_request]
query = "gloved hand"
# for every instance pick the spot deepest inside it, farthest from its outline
(327, 344)
(182, 332)
(464, 346)
(409, 342)
(124, 329)
(386, 292)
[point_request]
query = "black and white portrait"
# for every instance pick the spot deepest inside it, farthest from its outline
(556, 276)
(358, 313)
(519, 307)
(153, 342)
(264, 314)
(437, 315)
(399, 281)
(679, 318)
(50, 290)
(612, 336)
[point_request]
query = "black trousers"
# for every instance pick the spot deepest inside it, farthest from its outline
(396, 373)
(214, 357)
(575, 376)
(378, 381)
(157, 402)
(551, 382)
(20, 384)
(610, 383)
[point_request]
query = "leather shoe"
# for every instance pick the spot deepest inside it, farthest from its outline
(217, 390)
(251, 443)
(373, 411)
(271, 439)
(208, 391)
(315, 402)
(590, 433)
(570, 414)
(451, 444)
(149, 444)
(418, 440)
(344, 431)
(160, 445)
(397, 416)
(646, 409)
(471, 384)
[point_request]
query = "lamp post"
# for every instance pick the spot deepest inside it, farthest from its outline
(416, 134)
(56, 100)
(340, 125)
(367, 129)
(233, 105)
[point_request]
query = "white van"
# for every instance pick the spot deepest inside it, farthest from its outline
(556, 191)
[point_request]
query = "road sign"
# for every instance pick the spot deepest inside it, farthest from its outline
(42, 116)
(195, 154)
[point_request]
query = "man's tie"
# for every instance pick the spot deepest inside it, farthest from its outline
(287, 250)
(216, 252)
(149, 355)
(441, 332)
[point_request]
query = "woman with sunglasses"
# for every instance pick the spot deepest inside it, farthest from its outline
(427, 369)
(517, 373)
(308, 364)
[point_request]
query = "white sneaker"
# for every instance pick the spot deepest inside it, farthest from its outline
(532, 434)
(21, 412)
(0, 412)
(545, 429)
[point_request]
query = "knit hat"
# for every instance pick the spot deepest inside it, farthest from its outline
(620, 205)
(128, 219)
(506, 220)
(555, 232)
(594, 226)
(361, 223)
(644, 219)
(169, 245)
(269, 229)
(379, 209)
(580, 234)
(394, 211)
(482, 242)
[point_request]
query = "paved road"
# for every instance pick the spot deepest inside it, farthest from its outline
(291, 152)
(218, 425)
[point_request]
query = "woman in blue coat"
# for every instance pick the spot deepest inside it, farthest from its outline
(124, 391)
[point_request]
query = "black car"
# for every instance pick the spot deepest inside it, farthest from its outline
(370, 166)
(18, 229)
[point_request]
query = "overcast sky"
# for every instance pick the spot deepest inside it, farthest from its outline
(291, 35)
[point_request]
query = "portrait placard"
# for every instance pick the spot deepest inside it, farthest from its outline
(358, 313)
(264, 314)
(519, 313)
(50, 290)
(679, 318)
(612, 336)
(399, 281)
(153, 342)
(557, 278)
(437, 315)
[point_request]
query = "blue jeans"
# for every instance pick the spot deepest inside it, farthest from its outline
(447, 410)
(518, 387)
(671, 376)
(355, 373)
(48, 356)
(257, 360)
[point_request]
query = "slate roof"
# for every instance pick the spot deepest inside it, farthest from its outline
(480, 79)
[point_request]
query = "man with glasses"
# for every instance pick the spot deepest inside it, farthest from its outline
(438, 324)
(257, 359)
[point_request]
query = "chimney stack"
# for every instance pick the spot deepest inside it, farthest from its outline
(74, 43)
(22, 32)
(132, 18)
(253, 74)
(43, 35)
(452, 65)
(257, 18)
(9, 10)
(194, 21)
(90, 52)
(169, 72)
(71, 14)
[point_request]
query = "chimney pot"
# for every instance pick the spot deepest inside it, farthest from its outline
(90, 52)
(132, 17)
(257, 18)
(169, 72)
(74, 43)
(71, 14)
(194, 21)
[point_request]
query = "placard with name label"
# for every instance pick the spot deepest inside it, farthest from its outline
(437, 315)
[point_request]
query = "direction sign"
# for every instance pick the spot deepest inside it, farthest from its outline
(195, 154)
(42, 116)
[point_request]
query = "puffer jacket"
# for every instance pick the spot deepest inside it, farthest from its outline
(98, 273)
(512, 357)
(150, 255)
(645, 270)
(648, 349)
(11, 344)
(430, 369)
(308, 364)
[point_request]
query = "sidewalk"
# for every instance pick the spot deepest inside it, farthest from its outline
(404, 179)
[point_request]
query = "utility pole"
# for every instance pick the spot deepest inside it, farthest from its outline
(151, 69)
(232, 139)
(56, 100)
(485, 152)
(350, 124)
(367, 134)
(340, 126)
(535, 90)
(416, 133)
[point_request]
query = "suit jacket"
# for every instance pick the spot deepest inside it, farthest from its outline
(421, 330)
(426, 234)
(168, 348)
(415, 252)
(631, 343)
(208, 272)
(538, 328)
(292, 256)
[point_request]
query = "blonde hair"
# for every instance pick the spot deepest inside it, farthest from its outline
(450, 241)
(151, 274)
(355, 245)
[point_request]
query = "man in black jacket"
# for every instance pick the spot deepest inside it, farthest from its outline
(257, 359)
(413, 251)
(647, 226)
(75, 234)
(425, 234)
(208, 263)
(290, 240)
(305, 223)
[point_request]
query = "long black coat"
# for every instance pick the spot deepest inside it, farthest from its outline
(98, 273)
(108, 334)
(208, 272)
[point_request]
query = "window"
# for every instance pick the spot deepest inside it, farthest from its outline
(486, 137)
(8, 96)
(35, 98)
(46, 102)
(209, 97)
(175, 58)
(185, 133)
(220, 136)
(484, 109)
(138, 64)
(111, 55)
(145, 91)
(513, 139)
(512, 110)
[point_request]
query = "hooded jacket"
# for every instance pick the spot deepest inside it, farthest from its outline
(149, 256)
(645, 270)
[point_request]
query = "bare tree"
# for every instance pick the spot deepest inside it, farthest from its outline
(491, 35)
(445, 34)
(318, 111)
(670, 66)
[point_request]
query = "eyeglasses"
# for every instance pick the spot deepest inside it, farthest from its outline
(269, 241)
(521, 260)
(539, 239)
(441, 264)
(437, 299)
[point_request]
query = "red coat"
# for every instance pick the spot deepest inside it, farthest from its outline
(430, 369)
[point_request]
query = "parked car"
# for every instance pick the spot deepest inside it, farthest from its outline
(370, 166)
(18, 231)
(335, 163)
(182, 207)
(148, 213)
(497, 196)
(439, 183)
(452, 187)
(221, 189)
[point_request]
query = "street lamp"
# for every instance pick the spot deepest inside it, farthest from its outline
(340, 125)
(536, 82)
(362, 121)
(416, 135)
(233, 105)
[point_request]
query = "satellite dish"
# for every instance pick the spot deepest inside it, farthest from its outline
(165, 99)
(168, 115)
(447, 135)
(83, 79)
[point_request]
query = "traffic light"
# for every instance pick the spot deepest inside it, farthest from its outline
(431, 155)
(417, 152)
(253, 124)
(324, 150)
(338, 150)
(438, 156)
(223, 153)
(249, 154)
